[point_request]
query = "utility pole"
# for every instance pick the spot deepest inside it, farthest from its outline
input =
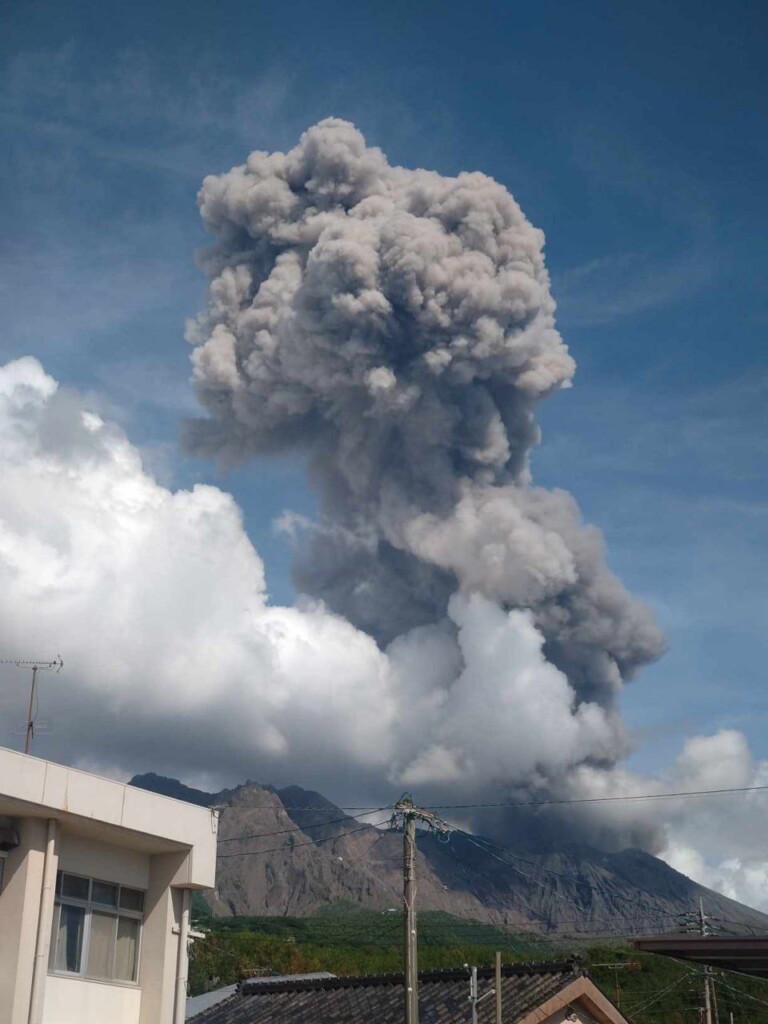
(710, 997)
(474, 998)
(623, 965)
(405, 816)
(708, 1000)
(410, 943)
(699, 922)
(498, 988)
(36, 667)
(713, 997)
(473, 993)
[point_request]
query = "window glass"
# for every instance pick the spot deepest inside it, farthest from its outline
(75, 888)
(101, 945)
(131, 899)
(99, 939)
(127, 948)
(69, 940)
(104, 892)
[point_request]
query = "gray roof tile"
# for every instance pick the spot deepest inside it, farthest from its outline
(443, 997)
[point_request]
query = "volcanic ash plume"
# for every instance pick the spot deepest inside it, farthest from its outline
(397, 327)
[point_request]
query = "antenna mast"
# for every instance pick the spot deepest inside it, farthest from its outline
(36, 666)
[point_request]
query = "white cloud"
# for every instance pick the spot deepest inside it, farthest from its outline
(509, 712)
(175, 660)
(718, 840)
(157, 602)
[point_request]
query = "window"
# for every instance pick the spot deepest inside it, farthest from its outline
(96, 929)
(2, 868)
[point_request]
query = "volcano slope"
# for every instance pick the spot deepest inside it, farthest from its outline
(291, 852)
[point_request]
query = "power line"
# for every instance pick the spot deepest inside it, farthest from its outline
(310, 842)
(653, 916)
(533, 803)
(727, 970)
(507, 941)
(535, 881)
(303, 828)
(644, 1004)
(720, 981)
(603, 799)
(569, 878)
(488, 847)
(554, 937)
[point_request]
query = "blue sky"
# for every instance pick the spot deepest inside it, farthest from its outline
(634, 136)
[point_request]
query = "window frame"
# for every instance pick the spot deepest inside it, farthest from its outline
(90, 905)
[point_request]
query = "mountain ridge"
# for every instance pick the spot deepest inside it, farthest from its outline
(291, 851)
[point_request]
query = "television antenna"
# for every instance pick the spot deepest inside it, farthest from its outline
(35, 666)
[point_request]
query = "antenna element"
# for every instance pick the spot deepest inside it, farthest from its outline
(36, 666)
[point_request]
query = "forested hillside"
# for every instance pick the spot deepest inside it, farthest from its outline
(649, 989)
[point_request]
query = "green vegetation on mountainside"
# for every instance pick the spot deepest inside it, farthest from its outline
(353, 941)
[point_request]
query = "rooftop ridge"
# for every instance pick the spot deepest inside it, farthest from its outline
(95, 775)
(252, 987)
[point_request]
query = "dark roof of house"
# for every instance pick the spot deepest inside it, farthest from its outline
(196, 1004)
(443, 997)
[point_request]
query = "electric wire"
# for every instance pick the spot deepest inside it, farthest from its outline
(309, 842)
(721, 970)
(535, 881)
(564, 802)
(644, 1004)
(585, 934)
(602, 799)
(717, 971)
(303, 828)
(515, 949)
(569, 878)
(487, 847)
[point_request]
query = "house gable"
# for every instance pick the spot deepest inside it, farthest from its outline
(580, 995)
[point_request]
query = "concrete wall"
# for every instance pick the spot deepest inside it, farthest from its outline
(159, 953)
(54, 788)
(81, 1001)
(74, 1001)
(19, 909)
(105, 861)
(77, 1000)
(106, 831)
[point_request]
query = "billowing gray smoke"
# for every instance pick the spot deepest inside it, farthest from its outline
(398, 327)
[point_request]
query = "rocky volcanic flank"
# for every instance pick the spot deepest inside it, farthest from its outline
(573, 889)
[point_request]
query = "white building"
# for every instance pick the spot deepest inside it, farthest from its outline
(95, 885)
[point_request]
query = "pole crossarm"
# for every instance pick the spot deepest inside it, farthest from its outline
(405, 809)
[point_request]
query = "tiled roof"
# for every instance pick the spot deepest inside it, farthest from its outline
(443, 997)
(282, 979)
(196, 1004)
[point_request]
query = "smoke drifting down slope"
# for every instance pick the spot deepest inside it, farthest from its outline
(397, 327)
